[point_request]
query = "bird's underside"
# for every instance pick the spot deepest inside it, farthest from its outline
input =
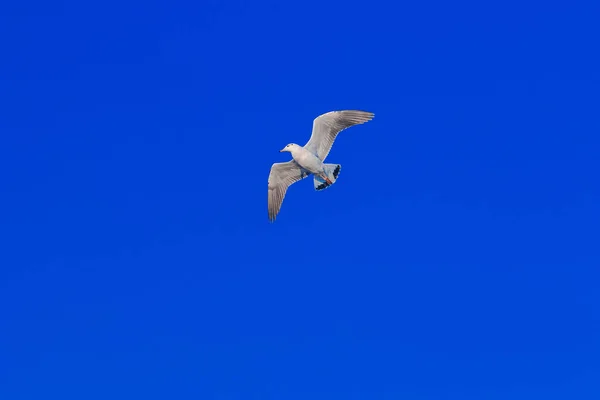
(326, 127)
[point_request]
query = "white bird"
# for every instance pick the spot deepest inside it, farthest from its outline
(308, 160)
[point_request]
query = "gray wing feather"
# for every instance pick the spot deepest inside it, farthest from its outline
(327, 126)
(281, 177)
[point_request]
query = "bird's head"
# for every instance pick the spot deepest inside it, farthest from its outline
(288, 148)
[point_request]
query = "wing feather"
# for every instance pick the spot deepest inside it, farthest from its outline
(327, 126)
(281, 177)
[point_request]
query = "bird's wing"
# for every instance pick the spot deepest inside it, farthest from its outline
(327, 126)
(281, 177)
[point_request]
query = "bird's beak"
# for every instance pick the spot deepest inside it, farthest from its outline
(281, 151)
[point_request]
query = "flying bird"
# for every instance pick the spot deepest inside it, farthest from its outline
(309, 160)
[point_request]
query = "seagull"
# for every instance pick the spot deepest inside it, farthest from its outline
(309, 160)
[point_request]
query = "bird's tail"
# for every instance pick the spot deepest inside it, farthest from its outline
(331, 173)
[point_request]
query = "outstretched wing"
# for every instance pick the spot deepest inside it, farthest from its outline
(327, 126)
(281, 177)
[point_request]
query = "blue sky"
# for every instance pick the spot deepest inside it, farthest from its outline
(456, 257)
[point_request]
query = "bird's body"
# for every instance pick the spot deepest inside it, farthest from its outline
(306, 159)
(309, 160)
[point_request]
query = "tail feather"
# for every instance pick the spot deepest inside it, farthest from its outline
(331, 173)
